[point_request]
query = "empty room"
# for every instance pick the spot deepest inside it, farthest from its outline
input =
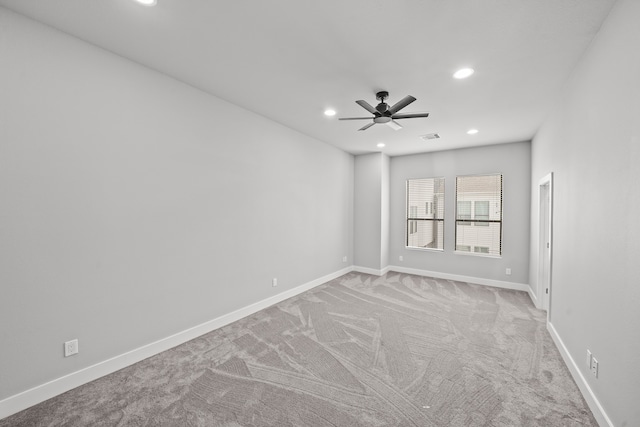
(290, 213)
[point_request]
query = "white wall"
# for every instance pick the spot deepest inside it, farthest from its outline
(591, 143)
(513, 161)
(133, 206)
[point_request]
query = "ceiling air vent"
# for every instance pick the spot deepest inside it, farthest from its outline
(430, 136)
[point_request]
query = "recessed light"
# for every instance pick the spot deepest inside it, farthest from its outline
(329, 112)
(147, 2)
(380, 144)
(463, 73)
(472, 131)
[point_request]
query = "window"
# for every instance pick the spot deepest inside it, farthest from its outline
(464, 212)
(479, 202)
(464, 209)
(425, 213)
(481, 212)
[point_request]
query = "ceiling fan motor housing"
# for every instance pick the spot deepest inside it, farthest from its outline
(382, 108)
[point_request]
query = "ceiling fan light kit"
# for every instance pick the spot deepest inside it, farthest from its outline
(383, 114)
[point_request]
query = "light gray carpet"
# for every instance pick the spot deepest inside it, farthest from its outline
(397, 350)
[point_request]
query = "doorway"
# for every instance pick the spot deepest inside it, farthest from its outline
(545, 242)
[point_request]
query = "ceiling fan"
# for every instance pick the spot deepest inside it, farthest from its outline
(382, 113)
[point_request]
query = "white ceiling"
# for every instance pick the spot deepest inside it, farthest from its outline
(288, 60)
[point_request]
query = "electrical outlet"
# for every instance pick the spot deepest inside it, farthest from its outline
(508, 272)
(594, 367)
(274, 282)
(589, 358)
(344, 258)
(401, 258)
(70, 348)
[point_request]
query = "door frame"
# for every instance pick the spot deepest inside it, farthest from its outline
(545, 241)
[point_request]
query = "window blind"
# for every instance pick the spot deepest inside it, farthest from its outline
(425, 213)
(479, 214)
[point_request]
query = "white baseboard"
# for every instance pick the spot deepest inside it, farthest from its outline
(33, 396)
(534, 298)
(367, 270)
(591, 399)
(459, 278)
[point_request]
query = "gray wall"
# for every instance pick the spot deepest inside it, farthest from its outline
(592, 145)
(134, 207)
(385, 198)
(371, 211)
(513, 161)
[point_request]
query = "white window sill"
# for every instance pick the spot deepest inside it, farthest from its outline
(416, 248)
(480, 254)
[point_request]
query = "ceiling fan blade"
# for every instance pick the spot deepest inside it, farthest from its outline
(355, 118)
(401, 104)
(365, 127)
(366, 106)
(409, 116)
(394, 125)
